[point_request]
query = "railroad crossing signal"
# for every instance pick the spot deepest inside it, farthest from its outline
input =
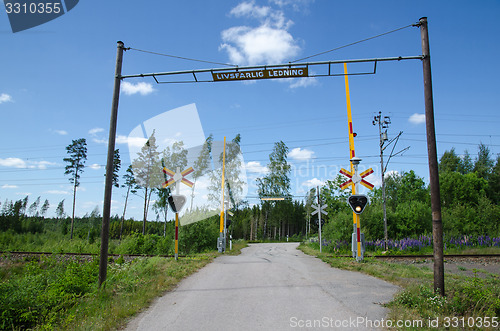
(354, 178)
(176, 202)
(318, 209)
(176, 176)
(358, 203)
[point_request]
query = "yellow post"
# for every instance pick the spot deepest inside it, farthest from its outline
(349, 118)
(352, 154)
(222, 186)
(358, 235)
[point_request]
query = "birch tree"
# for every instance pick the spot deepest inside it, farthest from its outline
(147, 169)
(201, 165)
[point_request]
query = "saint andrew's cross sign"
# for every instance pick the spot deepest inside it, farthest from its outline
(356, 179)
(176, 176)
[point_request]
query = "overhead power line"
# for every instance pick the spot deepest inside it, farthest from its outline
(354, 43)
(181, 57)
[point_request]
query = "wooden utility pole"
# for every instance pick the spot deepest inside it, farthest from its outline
(106, 210)
(437, 222)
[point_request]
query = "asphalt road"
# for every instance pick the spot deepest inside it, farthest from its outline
(270, 287)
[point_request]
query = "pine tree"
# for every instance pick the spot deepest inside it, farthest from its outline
(117, 163)
(44, 208)
(132, 187)
(77, 151)
(483, 166)
(33, 209)
(60, 209)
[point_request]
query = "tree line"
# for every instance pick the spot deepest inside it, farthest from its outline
(470, 192)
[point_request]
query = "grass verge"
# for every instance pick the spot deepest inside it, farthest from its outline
(54, 292)
(238, 245)
(471, 302)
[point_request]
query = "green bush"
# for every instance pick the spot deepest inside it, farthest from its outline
(473, 297)
(43, 290)
(423, 299)
(149, 244)
(476, 296)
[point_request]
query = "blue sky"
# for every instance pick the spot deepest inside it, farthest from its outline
(56, 85)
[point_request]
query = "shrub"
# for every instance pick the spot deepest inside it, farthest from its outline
(43, 290)
(476, 296)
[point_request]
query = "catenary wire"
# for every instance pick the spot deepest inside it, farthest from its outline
(181, 57)
(351, 44)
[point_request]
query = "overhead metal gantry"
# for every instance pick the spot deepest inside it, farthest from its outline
(289, 70)
(286, 70)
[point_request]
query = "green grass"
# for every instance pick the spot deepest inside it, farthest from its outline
(467, 297)
(54, 292)
(238, 245)
(131, 288)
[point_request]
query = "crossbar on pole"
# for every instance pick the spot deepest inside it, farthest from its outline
(285, 65)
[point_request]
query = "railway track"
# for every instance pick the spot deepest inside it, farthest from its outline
(430, 256)
(381, 257)
(86, 255)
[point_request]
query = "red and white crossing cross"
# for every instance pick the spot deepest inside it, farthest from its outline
(348, 174)
(365, 183)
(176, 176)
(356, 179)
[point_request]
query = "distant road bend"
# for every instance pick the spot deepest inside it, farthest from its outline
(269, 287)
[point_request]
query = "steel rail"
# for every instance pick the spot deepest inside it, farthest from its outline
(430, 256)
(3, 253)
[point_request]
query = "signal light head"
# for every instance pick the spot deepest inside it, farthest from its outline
(358, 203)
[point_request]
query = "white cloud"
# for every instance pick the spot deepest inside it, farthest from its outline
(132, 141)
(59, 132)
(121, 139)
(95, 131)
(13, 162)
(5, 98)
(95, 166)
(142, 88)
(300, 154)
(9, 186)
(417, 118)
(256, 167)
(304, 82)
(42, 164)
(56, 192)
(100, 141)
(270, 42)
(297, 5)
(250, 9)
(313, 183)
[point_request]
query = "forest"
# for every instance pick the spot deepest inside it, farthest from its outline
(470, 192)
